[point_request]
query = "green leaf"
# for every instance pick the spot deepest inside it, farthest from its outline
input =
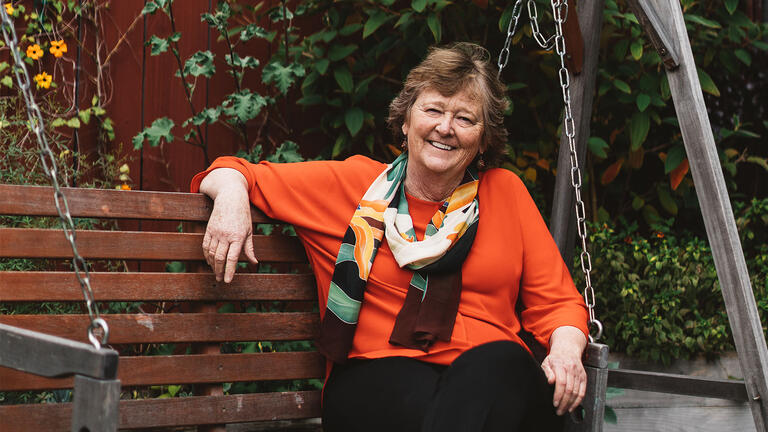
(419, 5)
(349, 29)
(58, 122)
(85, 116)
(159, 45)
(244, 105)
(377, 18)
(252, 30)
(288, 152)
(201, 63)
(758, 160)
(744, 56)
(675, 157)
(642, 101)
(707, 84)
(339, 145)
(666, 200)
(242, 62)
(208, 115)
(322, 65)
(353, 118)
(281, 76)
(597, 146)
(623, 86)
(149, 8)
(703, 21)
(344, 78)
(160, 129)
(639, 126)
(7, 81)
(637, 50)
(337, 52)
(74, 123)
(174, 37)
(433, 22)
(731, 5)
(637, 203)
(760, 45)
(404, 19)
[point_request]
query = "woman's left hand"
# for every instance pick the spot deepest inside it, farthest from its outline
(564, 369)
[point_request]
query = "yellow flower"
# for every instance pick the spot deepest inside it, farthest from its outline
(58, 48)
(125, 187)
(9, 9)
(34, 52)
(43, 80)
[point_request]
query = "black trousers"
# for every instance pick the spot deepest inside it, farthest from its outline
(497, 386)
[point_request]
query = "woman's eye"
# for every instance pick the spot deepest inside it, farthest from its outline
(433, 110)
(465, 121)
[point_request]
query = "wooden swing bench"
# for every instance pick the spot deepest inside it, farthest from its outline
(201, 327)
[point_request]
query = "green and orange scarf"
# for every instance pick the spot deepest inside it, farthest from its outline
(429, 311)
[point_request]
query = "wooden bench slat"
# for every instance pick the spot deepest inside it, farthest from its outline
(63, 286)
(188, 369)
(113, 204)
(678, 384)
(178, 327)
(188, 411)
(42, 243)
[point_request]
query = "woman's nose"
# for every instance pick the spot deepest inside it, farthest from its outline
(444, 126)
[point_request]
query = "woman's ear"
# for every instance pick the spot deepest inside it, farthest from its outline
(405, 128)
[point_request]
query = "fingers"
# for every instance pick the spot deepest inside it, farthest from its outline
(231, 262)
(570, 383)
(220, 259)
(249, 249)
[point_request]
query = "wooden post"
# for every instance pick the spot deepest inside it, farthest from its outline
(718, 215)
(95, 407)
(563, 219)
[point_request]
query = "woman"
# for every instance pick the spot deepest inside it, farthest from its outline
(420, 265)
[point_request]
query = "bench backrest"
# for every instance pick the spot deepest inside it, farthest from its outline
(160, 309)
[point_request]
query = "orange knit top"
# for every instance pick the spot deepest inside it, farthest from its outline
(513, 256)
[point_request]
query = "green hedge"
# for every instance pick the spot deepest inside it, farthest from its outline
(658, 296)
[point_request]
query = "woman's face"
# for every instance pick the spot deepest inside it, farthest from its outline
(444, 133)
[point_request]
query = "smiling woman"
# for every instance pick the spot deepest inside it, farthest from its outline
(421, 265)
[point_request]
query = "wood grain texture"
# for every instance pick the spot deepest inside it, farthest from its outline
(112, 204)
(178, 327)
(678, 384)
(683, 419)
(188, 369)
(563, 217)
(47, 355)
(189, 411)
(63, 286)
(717, 213)
(130, 245)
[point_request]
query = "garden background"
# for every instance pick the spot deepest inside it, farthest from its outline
(144, 94)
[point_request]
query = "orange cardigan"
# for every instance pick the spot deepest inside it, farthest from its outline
(513, 255)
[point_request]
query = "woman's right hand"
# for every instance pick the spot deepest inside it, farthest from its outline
(229, 231)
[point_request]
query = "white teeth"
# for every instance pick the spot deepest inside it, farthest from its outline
(441, 146)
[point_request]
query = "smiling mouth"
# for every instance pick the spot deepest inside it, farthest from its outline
(440, 146)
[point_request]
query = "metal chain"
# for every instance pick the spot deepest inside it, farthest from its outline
(560, 12)
(533, 15)
(557, 41)
(511, 29)
(49, 165)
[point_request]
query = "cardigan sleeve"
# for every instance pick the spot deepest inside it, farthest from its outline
(547, 291)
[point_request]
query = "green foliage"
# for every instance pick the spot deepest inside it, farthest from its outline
(659, 297)
(235, 24)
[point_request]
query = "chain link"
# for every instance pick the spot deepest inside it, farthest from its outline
(511, 29)
(48, 161)
(560, 12)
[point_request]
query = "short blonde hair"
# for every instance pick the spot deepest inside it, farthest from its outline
(450, 70)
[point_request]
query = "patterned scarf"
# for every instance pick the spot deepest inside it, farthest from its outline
(432, 300)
